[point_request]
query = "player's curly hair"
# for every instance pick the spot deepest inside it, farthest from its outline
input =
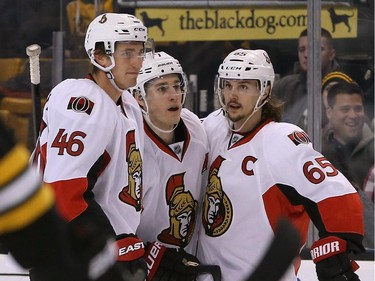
(273, 109)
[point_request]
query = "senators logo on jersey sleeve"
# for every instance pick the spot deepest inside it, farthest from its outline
(182, 213)
(217, 208)
(299, 138)
(132, 194)
(81, 104)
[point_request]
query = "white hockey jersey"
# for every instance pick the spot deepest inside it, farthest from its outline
(173, 184)
(89, 151)
(256, 178)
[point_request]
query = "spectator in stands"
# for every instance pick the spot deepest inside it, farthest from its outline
(292, 89)
(369, 185)
(328, 81)
(349, 142)
(79, 17)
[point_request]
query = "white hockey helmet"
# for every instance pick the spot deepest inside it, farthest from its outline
(110, 28)
(247, 64)
(156, 65)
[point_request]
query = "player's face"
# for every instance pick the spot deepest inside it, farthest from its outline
(240, 97)
(164, 100)
(347, 117)
(128, 58)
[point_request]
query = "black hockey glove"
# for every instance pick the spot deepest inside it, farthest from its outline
(332, 261)
(131, 252)
(170, 264)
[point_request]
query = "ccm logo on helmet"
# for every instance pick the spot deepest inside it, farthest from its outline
(139, 29)
(328, 248)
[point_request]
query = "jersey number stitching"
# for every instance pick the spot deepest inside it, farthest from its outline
(72, 144)
(318, 174)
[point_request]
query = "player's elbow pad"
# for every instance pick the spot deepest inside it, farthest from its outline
(332, 260)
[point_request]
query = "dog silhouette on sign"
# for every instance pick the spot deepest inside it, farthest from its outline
(335, 19)
(150, 22)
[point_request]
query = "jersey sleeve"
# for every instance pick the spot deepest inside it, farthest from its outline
(306, 177)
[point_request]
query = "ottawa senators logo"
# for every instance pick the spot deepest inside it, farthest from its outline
(182, 213)
(103, 19)
(217, 208)
(299, 137)
(132, 194)
(81, 105)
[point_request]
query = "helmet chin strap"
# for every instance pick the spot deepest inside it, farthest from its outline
(111, 78)
(146, 115)
(256, 108)
(148, 120)
(243, 124)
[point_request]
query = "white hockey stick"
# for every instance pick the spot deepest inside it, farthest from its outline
(33, 51)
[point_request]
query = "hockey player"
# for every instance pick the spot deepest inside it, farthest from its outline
(90, 148)
(174, 160)
(261, 170)
(37, 236)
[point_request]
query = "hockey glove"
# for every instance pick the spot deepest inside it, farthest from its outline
(170, 264)
(332, 261)
(131, 252)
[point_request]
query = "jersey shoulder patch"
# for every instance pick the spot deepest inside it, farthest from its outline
(81, 104)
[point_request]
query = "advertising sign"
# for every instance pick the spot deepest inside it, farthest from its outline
(250, 23)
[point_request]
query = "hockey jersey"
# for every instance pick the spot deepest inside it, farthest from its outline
(256, 178)
(173, 184)
(89, 151)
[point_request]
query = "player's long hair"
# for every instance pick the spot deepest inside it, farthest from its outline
(273, 109)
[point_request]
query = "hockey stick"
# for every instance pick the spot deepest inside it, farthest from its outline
(33, 51)
(283, 249)
(213, 270)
